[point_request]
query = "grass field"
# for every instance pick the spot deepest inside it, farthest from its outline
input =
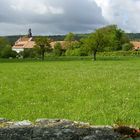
(102, 92)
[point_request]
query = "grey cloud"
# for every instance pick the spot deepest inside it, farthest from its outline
(77, 16)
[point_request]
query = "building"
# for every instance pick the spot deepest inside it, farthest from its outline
(25, 42)
(63, 44)
(136, 45)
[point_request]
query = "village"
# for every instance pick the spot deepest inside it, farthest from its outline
(27, 42)
(69, 70)
(25, 46)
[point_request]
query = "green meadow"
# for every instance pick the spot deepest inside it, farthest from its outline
(104, 92)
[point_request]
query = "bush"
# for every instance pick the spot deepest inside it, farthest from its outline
(73, 52)
(7, 52)
(84, 51)
(3, 43)
(29, 53)
(120, 53)
(127, 47)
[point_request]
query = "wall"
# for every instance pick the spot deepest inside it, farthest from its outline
(54, 129)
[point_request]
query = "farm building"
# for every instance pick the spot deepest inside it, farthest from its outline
(136, 45)
(25, 42)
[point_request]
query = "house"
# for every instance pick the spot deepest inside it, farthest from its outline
(136, 45)
(25, 42)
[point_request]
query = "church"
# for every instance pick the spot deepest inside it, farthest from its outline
(25, 42)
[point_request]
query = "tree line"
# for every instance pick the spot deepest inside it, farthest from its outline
(109, 38)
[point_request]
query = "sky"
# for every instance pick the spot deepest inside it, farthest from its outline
(53, 17)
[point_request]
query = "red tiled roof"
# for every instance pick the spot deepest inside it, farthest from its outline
(24, 42)
(136, 45)
(30, 44)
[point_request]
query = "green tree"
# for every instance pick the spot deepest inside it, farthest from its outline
(74, 49)
(57, 49)
(7, 52)
(69, 37)
(109, 38)
(29, 53)
(69, 40)
(95, 42)
(127, 47)
(3, 43)
(42, 45)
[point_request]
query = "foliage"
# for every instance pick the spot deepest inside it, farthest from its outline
(42, 45)
(6, 49)
(119, 53)
(29, 53)
(57, 49)
(74, 49)
(84, 51)
(109, 38)
(127, 47)
(69, 37)
(7, 52)
(94, 42)
(69, 40)
(3, 43)
(73, 52)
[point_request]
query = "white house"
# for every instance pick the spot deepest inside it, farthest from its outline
(23, 43)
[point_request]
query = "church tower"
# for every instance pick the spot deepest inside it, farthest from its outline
(30, 33)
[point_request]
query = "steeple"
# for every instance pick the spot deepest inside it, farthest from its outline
(29, 33)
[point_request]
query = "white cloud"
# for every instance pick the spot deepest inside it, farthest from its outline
(124, 13)
(38, 7)
(62, 16)
(55, 10)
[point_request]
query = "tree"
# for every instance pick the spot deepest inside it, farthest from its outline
(95, 42)
(29, 53)
(57, 49)
(43, 45)
(109, 38)
(127, 47)
(7, 52)
(69, 37)
(69, 40)
(3, 43)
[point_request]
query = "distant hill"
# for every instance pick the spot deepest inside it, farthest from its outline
(134, 36)
(12, 39)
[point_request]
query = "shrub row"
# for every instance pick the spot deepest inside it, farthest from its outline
(120, 53)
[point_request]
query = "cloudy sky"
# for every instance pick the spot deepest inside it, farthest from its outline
(62, 16)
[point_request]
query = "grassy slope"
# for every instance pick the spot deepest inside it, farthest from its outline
(102, 92)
